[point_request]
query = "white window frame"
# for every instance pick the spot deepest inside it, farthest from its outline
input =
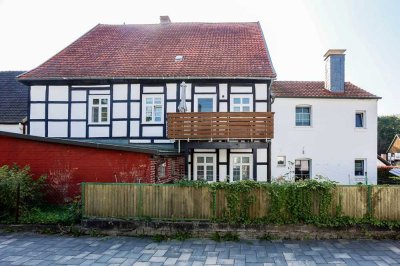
(364, 120)
(144, 105)
(309, 166)
(364, 167)
(241, 105)
(205, 164)
(201, 96)
(311, 116)
(90, 104)
(231, 165)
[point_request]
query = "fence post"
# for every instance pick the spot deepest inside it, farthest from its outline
(140, 200)
(369, 200)
(83, 198)
(17, 203)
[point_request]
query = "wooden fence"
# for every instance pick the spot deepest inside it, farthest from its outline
(116, 200)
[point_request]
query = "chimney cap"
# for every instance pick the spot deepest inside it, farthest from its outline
(334, 52)
(165, 19)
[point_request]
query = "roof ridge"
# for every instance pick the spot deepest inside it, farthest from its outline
(176, 23)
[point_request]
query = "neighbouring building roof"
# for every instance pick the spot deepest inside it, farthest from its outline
(13, 98)
(394, 145)
(316, 89)
(209, 50)
(121, 145)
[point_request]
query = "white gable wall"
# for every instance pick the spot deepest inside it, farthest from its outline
(332, 142)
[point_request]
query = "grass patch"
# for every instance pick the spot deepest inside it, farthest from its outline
(47, 214)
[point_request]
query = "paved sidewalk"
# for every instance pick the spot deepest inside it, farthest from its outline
(33, 249)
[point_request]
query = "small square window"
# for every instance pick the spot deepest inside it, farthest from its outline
(99, 109)
(281, 160)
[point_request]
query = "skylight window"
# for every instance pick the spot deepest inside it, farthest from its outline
(178, 58)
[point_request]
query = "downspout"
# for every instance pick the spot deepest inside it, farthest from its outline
(269, 108)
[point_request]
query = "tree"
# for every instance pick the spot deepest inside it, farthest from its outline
(388, 127)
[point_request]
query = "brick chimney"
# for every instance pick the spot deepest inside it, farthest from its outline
(334, 70)
(165, 20)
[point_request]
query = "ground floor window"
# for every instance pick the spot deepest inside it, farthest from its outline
(205, 167)
(241, 167)
(302, 169)
(359, 167)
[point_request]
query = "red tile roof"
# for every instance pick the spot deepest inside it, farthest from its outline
(316, 89)
(224, 50)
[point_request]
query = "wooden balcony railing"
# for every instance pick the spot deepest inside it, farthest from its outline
(220, 125)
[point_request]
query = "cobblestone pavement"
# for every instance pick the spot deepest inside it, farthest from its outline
(33, 249)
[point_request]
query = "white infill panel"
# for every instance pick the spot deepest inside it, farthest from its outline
(119, 128)
(58, 111)
(237, 89)
(78, 129)
(99, 132)
(223, 156)
(38, 111)
(201, 89)
(156, 131)
(223, 174)
(262, 155)
(171, 91)
(120, 110)
(171, 107)
(261, 107)
(38, 93)
(78, 95)
(37, 129)
(135, 110)
(223, 91)
(159, 89)
(135, 91)
(261, 91)
(120, 92)
(134, 130)
(58, 93)
(78, 111)
(58, 129)
(261, 173)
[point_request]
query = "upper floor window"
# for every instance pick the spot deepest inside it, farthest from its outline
(99, 109)
(359, 167)
(241, 103)
(360, 119)
(153, 108)
(302, 169)
(303, 116)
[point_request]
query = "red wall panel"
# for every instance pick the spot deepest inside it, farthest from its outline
(66, 166)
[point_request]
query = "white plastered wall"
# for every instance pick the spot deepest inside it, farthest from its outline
(332, 142)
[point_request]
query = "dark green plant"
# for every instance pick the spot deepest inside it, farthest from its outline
(31, 191)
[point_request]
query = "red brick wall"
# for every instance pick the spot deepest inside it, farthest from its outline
(66, 166)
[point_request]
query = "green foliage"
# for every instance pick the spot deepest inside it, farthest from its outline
(388, 127)
(181, 236)
(229, 236)
(50, 214)
(269, 237)
(31, 191)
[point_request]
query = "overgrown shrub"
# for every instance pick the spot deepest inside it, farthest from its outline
(385, 177)
(31, 191)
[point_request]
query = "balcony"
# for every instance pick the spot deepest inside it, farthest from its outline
(220, 125)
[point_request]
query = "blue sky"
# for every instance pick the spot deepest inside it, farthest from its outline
(298, 33)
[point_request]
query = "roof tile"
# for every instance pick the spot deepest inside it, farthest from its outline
(149, 50)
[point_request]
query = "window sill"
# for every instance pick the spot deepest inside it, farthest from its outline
(152, 123)
(99, 124)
